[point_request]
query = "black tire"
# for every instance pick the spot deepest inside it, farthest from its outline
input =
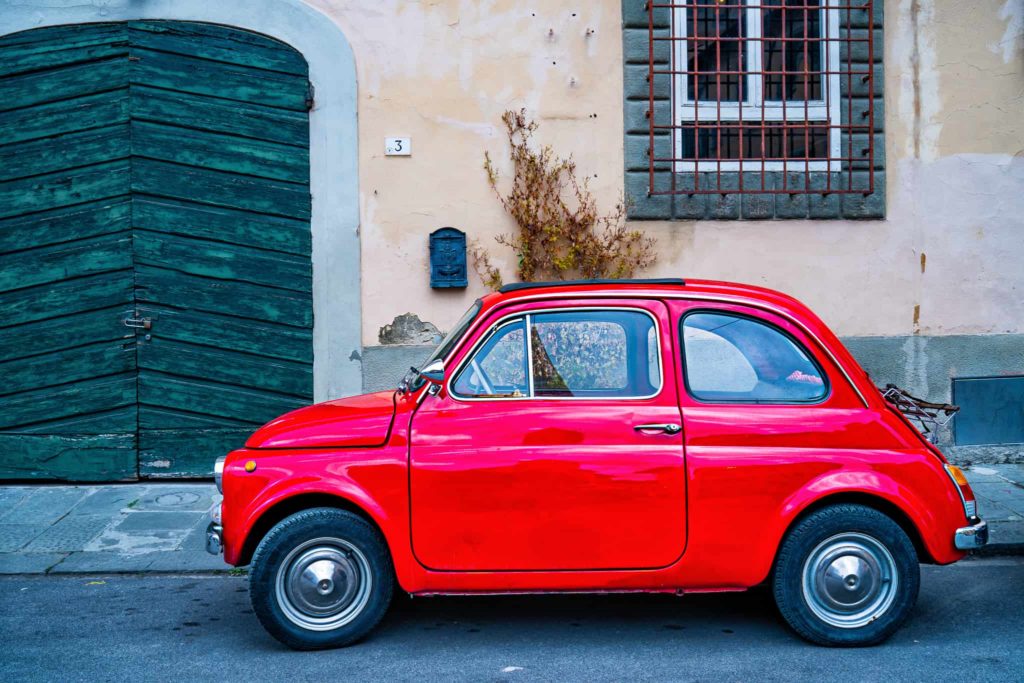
(355, 572)
(850, 546)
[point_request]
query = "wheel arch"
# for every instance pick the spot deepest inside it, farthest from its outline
(288, 506)
(868, 499)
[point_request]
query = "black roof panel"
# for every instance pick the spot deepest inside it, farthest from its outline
(517, 286)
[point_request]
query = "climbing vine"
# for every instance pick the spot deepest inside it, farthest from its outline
(560, 232)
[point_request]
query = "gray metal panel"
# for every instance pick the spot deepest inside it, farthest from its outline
(991, 410)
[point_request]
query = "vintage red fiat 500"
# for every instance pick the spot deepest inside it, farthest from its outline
(601, 436)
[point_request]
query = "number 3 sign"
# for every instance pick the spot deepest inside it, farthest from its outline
(398, 147)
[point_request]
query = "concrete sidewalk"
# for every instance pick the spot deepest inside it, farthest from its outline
(161, 527)
(110, 528)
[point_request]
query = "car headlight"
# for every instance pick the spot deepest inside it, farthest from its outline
(218, 473)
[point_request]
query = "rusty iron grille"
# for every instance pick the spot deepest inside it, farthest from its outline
(765, 96)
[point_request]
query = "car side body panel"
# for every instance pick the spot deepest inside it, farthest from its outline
(750, 473)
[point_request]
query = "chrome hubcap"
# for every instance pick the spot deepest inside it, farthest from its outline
(323, 584)
(849, 580)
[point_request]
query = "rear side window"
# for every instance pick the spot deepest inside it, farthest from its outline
(734, 359)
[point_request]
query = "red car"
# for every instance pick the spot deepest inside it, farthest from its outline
(601, 436)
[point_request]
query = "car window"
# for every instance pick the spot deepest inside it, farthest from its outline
(498, 368)
(592, 353)
(578, 354)
(732, 358)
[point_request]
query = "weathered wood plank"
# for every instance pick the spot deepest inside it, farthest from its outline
(48, 155)
(66, 332)
(157, 389)
(217, 79)
(61, 367)
(179, 290)
(218, 365)
(222, 261)
(201, 112)
(154, 417)
(65, 224)
(123, 420)
(218, 43)
(39, 87)
(235, 334)
(80, 398)
(64, 298)
(65, 116)
(57, 46)
(72, 457)
(217, 188)
(230, 153)
(65, 188)
(186, 452)
(58, 262)
(223, 225)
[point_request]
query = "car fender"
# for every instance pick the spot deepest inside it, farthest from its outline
(866, 484)
(347, 492)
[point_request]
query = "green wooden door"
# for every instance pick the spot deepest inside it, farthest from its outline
(155, 278)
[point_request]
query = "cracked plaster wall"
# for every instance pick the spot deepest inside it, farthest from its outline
(945, 261)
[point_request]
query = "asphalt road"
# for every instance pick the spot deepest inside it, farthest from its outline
(968, 625)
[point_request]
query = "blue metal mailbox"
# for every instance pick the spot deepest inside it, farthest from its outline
(448, 258)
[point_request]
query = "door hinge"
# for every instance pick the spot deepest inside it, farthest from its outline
(310, 95)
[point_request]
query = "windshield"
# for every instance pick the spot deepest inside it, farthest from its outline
(449, 341)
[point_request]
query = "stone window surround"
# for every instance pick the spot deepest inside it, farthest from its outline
(732, 205)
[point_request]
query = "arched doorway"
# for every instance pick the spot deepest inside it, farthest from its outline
(156, 282)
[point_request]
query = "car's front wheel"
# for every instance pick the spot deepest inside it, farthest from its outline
(321, 578)
(846, 575)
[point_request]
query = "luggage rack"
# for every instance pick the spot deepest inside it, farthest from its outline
(927, 414)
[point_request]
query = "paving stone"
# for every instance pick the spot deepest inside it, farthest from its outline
(10, 497)
(982, 473)
(196, 538)
(69, 534)
(28, 563)
(111, 499)
(1010, 472)
(187, 561)
(91, 562)
(1003, 533)
(992, 511)
(160, 521)
(14, 537)
(1006, 494)
(189, 497)
(47, 504)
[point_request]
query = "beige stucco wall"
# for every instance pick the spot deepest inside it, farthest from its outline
(443, 72)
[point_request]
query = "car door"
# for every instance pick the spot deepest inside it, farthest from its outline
(554, 444)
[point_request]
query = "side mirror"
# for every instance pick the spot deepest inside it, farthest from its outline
(434, 372)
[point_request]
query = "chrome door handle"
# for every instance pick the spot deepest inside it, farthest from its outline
(669, 428)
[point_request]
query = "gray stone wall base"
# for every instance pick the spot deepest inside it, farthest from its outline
(383, 366)
(925, 366)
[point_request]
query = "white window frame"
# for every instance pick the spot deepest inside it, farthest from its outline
(826, 110)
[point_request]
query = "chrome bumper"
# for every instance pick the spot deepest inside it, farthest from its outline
(214, 532)
(971, 537)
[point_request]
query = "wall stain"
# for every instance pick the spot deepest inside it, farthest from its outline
(924, 258)
(917, 318)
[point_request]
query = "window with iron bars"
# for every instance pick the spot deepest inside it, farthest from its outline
(763, 86)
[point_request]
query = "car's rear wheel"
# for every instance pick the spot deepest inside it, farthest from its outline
(846, 575)
(321, 578)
